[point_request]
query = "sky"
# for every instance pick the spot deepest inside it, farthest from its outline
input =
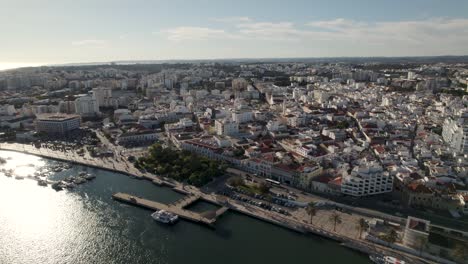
(36, 32)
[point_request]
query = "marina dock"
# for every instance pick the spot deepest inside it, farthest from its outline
(175, 208)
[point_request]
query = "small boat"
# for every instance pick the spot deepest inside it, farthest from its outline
(165, 217)
(57, 186)
(69, 179)
(381, 259)
(79, 180)
(42, 183)
(17, 177)
(57, 168)
(68, 185)
(89, 177)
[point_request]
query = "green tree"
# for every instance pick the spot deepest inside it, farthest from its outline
(336, 219)
(311, 210)
(236, 181)
(391, 237)
(263, 187)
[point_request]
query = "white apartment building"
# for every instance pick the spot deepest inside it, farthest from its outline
(368, 178)
(103, 96)
(242, 116)
(7, 110)
(86, 106)
(57, 123)
(226, 127)
(66, 107)
(321, 96)
(455, 133)
(239, 84)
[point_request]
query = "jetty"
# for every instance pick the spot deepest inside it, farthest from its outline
(175, 208)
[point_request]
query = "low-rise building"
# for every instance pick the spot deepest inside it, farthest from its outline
(368, 178)
(137, 137)
(57, 123)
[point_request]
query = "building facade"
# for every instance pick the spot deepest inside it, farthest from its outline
(57, 123)
(226, 127)
(368, 178)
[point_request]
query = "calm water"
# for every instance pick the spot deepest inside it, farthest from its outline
(40, 225)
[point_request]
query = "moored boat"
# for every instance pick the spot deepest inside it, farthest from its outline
(165, 217)
(42, 182)
(381, 259)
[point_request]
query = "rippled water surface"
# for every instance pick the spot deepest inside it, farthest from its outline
(84, 225)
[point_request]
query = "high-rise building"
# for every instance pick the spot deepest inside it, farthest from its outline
(103, 95)
(226, 127)
(66, 107)
(86, 106)
(455, 133)
(239, 84)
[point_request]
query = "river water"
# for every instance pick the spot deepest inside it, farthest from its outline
(84, 225)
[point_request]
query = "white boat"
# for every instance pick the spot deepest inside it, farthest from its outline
(164, 217)
(89, 177)
(380, 259)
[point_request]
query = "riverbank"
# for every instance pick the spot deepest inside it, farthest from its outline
(85, 225)
(267, 216)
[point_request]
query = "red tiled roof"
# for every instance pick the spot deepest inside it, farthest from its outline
(337, 181)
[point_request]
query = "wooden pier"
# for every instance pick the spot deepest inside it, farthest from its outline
(175, 208)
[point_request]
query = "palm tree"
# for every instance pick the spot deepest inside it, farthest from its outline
(311, 210)
(336, 219)
(391, 237)
(362, 225)
(460, 252)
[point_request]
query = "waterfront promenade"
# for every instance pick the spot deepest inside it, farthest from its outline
(345, 233)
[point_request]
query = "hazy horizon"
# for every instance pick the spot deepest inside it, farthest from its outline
(57, 32)
(10, 66)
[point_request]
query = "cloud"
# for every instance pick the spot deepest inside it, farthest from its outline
(234, 19)
(432, 36)
(335, 24)
(270, 30)
(429, 31)
(90, 42)
(194, 33)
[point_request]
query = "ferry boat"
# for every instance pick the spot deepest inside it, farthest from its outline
(381, 259)
(164, 217)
